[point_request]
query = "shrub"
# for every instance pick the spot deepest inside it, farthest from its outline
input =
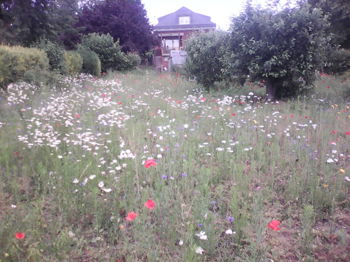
(73, 62)
(54, 52)
(283, 49)
(107, 50)
(338, 61)
(16, 61)
(91, 62)
(41, 78)
(205, 57)
(132, 60)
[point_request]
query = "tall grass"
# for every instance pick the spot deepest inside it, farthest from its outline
(73, 167)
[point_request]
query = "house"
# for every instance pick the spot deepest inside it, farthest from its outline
(173, 30)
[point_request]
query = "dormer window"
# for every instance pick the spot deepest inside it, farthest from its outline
(184, 20)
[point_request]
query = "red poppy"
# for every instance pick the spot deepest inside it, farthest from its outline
(274, 225)
(149, 163)
(291, 116)
(77, 116)
(334, 132)
(203, 99)
(347, 133)
(20, 235)
(150, 204)
(131, 216)
(233, 114)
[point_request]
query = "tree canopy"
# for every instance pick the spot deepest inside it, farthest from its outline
(339, 17)
(124, 20)
(281, 48)
(26, 21)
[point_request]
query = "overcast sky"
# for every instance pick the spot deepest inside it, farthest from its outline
(220, 11)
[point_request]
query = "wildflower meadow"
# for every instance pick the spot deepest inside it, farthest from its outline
(142, 166)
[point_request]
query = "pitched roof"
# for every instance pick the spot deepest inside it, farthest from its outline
(171, 21)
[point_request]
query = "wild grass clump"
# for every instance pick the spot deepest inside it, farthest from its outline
(142, 166)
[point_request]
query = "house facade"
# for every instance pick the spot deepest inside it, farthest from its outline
(173, 30)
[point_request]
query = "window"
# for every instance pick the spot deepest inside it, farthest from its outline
(171, 44)
(184, 20)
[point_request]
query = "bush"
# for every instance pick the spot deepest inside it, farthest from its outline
(16, 61)
(91, 62)
(133, 60)
(108, 51)
(41, 78)
(338, 61)
(73, 63)
(283, 49)
(205, 57)
(54, 52)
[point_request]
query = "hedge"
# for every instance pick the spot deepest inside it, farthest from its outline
(15, 61)
(73, 62)
(91, 62)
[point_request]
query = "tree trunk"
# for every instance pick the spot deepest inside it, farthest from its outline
(271, 89)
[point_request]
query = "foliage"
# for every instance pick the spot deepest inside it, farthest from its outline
(338, 61)
(107, 50)
(42, 78)
(133, 60)
(54, 52)
(124, 20)
(283, 49)
(91, 62)
(16, 61)
(206, 57)
(63, 18)
(73, 62)
(339, 14)
(24, 22)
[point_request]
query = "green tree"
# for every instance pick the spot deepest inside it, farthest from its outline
(281, 48)
(24, 22)
(63, 18)
(124, 20)
(339, 17)
(108, 51)
(205, 57)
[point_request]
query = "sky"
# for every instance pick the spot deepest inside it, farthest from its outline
(220, 11)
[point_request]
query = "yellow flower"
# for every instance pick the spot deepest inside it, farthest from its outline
(342, 171)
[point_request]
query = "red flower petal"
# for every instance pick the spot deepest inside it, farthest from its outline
(274, 225)
(150, 204)
(131, 216)
(149, 163)
(20, 235)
